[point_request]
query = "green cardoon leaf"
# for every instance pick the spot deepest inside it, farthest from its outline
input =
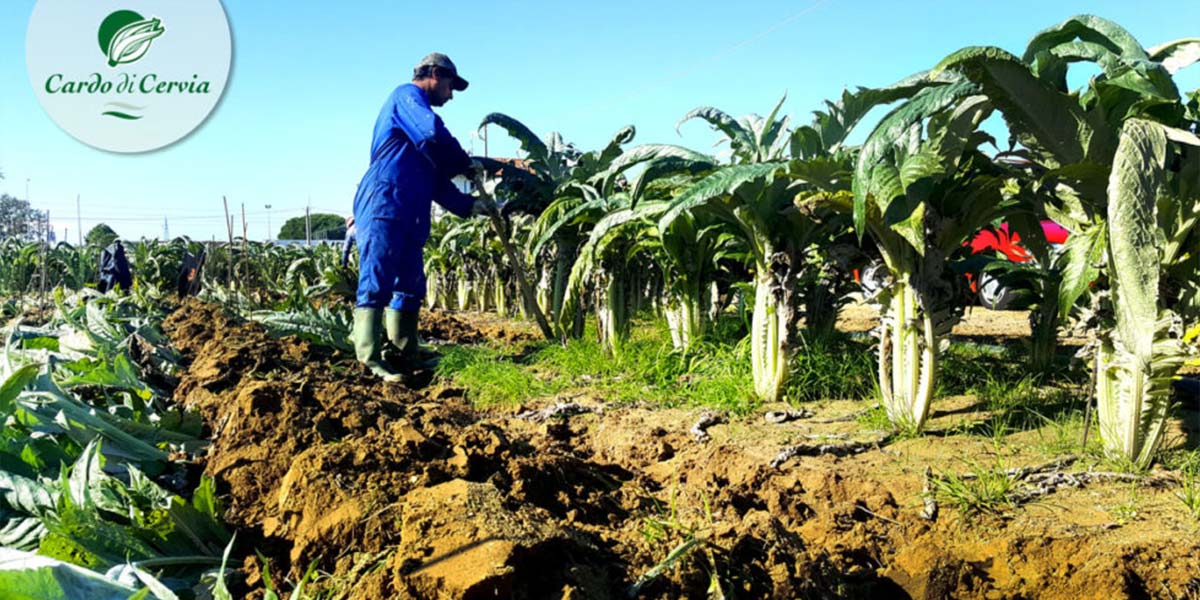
(596, 163)
(28, 576)
(771, 128)
(895, 128)
(830, 127)
(530, 143)
(667, 154)
(89, 487)
(27, 495)
(1177, 55)
(1038, 114)
(740, 138)
(1048, 64)
(667, 166)
(718, 184)
(81, 537)
(12, 387)
(1133, 191)
(1087, 28)
(220, 590)
(21, 533)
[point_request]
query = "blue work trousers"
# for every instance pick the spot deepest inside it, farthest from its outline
(391, 268)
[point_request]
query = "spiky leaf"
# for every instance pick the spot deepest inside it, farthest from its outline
(529, 141)
(1133, 191)
(1177, 55)
(1087, 28)
(1037, 113)
(894, 129)
(1084, 253)
(739, 136)
(720, 183)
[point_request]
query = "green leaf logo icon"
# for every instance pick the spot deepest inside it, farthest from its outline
(125, 36)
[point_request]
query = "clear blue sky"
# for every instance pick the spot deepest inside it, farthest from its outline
(309, 78)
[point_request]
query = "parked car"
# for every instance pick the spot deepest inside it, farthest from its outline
(989, 290)
(1000, 241)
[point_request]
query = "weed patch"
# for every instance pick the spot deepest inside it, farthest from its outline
(983, 491)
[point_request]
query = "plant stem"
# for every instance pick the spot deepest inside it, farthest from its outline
(769, 329)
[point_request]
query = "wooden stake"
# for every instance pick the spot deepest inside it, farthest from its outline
(229, 228)
(245, 236)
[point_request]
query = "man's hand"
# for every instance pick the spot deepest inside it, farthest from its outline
(480, 207)
(477, 172)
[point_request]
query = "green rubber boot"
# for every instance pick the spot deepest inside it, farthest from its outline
(368, 340)
(402, 332)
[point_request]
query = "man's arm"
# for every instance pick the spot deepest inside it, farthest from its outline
(450, 198)
(447, 155)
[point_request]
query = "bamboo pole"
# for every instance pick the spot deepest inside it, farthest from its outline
(229, 228)
(45, 246)
(245, 236)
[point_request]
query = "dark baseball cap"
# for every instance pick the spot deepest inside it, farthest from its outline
(437, 59)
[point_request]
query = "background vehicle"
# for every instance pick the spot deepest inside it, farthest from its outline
(1000, 242)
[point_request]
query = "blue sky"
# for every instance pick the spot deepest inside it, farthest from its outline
(309, 77)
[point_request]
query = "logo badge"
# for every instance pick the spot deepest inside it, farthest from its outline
(125, 36)
(161, 68)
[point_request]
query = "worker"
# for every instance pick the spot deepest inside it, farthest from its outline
(348, 241)
(114, 268)
(413, 159)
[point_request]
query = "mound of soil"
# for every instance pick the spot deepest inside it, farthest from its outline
(322, 464)
(406, 493)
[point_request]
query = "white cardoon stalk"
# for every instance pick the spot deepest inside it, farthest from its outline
(769, 349)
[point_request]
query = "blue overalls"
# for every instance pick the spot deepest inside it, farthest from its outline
(413, 158)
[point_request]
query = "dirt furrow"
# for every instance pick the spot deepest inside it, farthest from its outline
(409, 493)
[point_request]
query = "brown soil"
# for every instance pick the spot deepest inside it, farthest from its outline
(444, 327)
(402, 493)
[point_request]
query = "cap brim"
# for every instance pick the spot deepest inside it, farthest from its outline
(460, 84)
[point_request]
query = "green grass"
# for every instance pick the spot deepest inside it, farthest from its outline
(1180, 459)
(1025, 405)
(1063, 435)
(838, 368)
(875, 419)
(1013, 400)
(1129, 510)
(1189, 493)
(714, 374)
(1187, 462)
(489, 378)
(649, 370)
(986, 493)
(968, 368)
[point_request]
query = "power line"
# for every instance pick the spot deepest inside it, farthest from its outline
(156, 219)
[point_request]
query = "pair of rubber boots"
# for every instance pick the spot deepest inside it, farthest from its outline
(401, 327)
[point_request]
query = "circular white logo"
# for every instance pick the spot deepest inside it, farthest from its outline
(128, 75)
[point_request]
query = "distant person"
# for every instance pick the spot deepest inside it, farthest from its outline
(348, 243)
(189, 282)
(114, 268)
(413, 159)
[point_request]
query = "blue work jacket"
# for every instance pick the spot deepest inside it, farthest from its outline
(413, 158)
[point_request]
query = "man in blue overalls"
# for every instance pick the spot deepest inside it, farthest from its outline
(413, 158)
